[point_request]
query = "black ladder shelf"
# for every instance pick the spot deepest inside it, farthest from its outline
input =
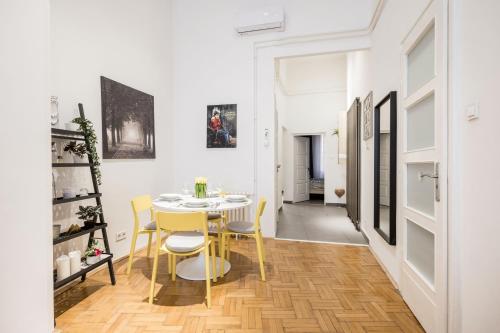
(108, 256)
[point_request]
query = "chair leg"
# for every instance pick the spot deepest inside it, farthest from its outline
(228, 247)
(214, 264)
(153, 277)
(263, 247)
(169, 263)
(219, 238)
(174, 261)
(150, 238)
(222, 250)
(132, 251)
(207, 277)
(258, 240)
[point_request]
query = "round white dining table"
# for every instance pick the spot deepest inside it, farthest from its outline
(194, 268)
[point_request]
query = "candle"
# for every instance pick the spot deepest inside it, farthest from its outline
(63, 267)
(75, 261)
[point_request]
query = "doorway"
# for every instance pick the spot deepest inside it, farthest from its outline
(308, 170)
(423, 199)
(311, 113)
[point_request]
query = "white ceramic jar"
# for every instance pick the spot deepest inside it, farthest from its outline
(68, 193)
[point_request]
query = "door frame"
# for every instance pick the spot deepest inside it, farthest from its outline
(297, 134)
(265, 120)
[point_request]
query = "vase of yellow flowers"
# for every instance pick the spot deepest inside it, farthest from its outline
(200, 187)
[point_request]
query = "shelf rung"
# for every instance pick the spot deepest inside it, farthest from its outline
(70, 165)
(58, 284)
(60, 131)
(64, 137)
(57, 201)
(64, 237)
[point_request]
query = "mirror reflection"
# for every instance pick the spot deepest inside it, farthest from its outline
(385, 135)
(384, 167)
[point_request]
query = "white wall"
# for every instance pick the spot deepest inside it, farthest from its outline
(26, 301)
(129, 42)
(314, 90)
(213, 65)
(359, 84)
(385, 75)
(475, 222)
(474, 289)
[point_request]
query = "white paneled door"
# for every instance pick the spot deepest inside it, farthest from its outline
(301, 168)
(422, 210)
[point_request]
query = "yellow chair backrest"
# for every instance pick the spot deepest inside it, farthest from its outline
(170, 221)
(140, 204)
(260, 211)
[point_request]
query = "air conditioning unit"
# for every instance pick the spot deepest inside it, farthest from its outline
(262, 20)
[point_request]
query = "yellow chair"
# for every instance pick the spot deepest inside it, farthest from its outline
(185, 240)
(218, 219)
(248, 229)
(141, 204)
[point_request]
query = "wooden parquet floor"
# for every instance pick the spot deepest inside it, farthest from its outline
(310, 287)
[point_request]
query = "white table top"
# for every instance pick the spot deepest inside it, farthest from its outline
(216, 204)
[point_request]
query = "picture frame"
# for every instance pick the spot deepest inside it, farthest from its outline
(128, 130)
(221, 124)
(368, 116)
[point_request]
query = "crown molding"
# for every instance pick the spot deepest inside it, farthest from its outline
(326, 35)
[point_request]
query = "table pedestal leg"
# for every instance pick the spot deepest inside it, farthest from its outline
(194, 268)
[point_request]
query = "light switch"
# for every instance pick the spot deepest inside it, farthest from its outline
(472, 111)
(267, 134)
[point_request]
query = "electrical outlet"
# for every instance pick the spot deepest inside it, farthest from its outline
(121, 235)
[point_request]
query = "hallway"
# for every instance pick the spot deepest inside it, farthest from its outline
(312, 221)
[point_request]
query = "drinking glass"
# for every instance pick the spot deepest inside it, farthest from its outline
(185, 188)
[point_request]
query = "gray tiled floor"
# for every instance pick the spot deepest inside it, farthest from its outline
(316, 222)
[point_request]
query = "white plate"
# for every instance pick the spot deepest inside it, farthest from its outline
(193, 203)
(236, 201)
(196, 205)
(170, 196)
(236, 197)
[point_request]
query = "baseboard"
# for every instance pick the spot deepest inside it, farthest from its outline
(384, 268)
(364, 235)
(287, 201)
(320, 242)
(335, 204)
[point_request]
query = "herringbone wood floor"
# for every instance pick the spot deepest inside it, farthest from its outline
(310, 288)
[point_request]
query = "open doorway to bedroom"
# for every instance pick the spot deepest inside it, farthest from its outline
(308, 172)
(311, 105)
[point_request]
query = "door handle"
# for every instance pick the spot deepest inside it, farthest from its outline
(422, 175)
(435, 176)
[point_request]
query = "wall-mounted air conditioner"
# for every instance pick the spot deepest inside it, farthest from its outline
(262, 20)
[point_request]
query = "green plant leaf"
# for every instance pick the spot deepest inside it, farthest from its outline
(88, 130)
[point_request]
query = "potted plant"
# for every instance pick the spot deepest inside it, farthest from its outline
(200, 187)
(93, 252)
(87, 128)
(89, 214)
(77, 150)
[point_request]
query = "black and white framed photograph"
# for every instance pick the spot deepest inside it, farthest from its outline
(221, 126)
(128, 130)
(368, 116)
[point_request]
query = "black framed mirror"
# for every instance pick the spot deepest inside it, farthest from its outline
(385, 141)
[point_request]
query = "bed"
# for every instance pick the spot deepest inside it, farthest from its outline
(317, 186)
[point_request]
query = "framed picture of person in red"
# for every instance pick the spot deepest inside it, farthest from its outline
(221, 126)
